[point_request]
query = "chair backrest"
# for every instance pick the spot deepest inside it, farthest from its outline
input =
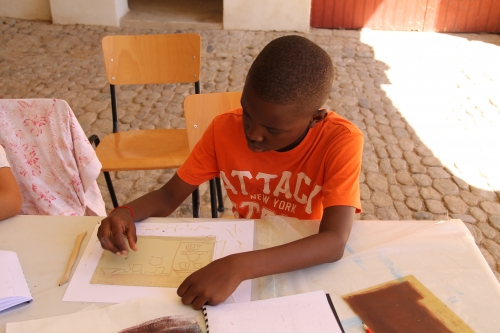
(199, 111)
(152, 59)
(53, 162)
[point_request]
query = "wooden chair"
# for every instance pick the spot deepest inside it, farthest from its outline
(147, 59)
(199, 111)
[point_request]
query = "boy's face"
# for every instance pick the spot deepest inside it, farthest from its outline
(270, 126)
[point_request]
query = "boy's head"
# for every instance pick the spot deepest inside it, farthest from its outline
(292, 70)
(285, 87)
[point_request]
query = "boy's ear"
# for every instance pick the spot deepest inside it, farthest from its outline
(317, 117)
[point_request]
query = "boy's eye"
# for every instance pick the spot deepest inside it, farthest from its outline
(273, 131)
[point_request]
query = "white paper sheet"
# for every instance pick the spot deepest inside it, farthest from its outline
(110, 319)
(302, 313)
(233, 236)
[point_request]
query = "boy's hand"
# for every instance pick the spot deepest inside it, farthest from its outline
(120, 223)
(212, 284)
(114, 228)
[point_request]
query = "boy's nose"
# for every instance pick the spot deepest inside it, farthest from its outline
(255, 133)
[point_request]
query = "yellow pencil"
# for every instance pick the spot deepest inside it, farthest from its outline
(72, 258)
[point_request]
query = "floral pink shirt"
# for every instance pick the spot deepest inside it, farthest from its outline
(53, 162)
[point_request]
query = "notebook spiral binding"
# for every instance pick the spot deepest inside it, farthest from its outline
(204, 309)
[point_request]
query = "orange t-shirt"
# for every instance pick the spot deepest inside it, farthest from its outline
(322, 171)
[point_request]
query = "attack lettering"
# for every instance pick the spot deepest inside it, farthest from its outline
(278, 200)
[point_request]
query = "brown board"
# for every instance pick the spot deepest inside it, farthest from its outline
(404, 305)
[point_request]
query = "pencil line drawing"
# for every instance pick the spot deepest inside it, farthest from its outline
(7, 280)
(200, 227)
(223, 243)
(159, 262)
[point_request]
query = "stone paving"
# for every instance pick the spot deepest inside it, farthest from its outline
(427, 103)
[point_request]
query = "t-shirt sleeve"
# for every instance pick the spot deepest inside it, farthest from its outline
(341, 185)
(4, 163)
(201, 165)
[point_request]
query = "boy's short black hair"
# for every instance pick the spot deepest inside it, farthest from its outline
(292, 70)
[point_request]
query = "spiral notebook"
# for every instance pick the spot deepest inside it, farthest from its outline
(14, 290)
(301, 313)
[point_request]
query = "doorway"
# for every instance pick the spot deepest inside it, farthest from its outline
(174, 14)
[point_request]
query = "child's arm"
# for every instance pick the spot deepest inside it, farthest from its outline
(161, 202)
(215, 282)
(10, 195)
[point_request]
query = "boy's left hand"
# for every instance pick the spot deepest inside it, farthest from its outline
(212, 284)
(215, 282)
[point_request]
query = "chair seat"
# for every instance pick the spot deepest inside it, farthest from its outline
(143, 150)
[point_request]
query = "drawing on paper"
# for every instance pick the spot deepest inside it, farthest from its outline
(159, 262)
(166, 324)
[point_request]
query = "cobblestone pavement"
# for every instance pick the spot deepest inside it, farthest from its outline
(427, 103)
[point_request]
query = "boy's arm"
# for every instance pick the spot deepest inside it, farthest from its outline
(161, 202)
(215, 282)
(10, 195)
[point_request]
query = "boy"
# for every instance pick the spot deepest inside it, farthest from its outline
(280, 154)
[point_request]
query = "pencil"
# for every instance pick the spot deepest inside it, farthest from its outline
(72, 258)
(367, 329)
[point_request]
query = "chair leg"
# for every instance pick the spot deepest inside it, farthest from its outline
(219, 195)
(213, 198)
(110, 189)
(94, 139)
(196, 203)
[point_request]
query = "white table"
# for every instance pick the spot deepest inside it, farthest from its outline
(442, 255)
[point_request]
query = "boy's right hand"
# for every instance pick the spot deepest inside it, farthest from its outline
(113, 231)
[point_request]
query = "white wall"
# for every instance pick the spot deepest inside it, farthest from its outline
(95, 12)
(279, 15)
(26, 9)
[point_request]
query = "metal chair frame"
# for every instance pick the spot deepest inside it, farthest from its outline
(215, 187)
